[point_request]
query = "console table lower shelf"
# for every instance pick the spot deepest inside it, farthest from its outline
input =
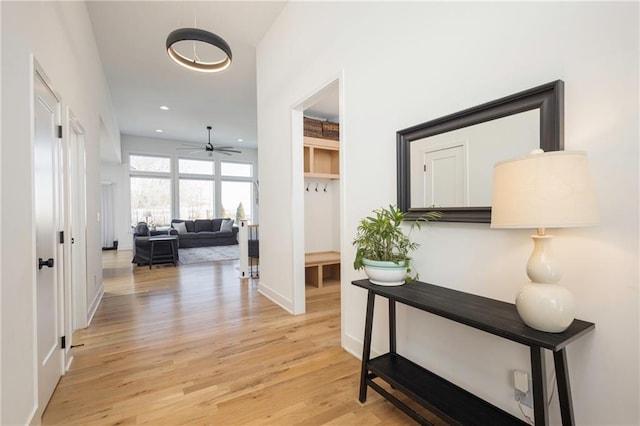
(443, 398)
(438, 395)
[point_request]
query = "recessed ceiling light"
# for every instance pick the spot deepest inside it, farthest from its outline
(240, 140)
(159, 130)
(164, 108)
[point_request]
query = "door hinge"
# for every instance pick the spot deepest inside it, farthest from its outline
(424, 167)
(63, 342)
(61, 237)
(59, 132)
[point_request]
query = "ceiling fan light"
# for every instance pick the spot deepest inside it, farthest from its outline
(195, 34)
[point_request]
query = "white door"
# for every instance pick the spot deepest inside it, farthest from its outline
(444, 177)
(49, 353)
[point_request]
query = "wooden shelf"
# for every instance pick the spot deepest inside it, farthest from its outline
(321, 266)
(321, 158)
(448, 401)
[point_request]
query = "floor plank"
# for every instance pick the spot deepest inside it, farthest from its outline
(194, 344)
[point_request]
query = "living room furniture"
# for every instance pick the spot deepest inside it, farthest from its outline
(321, 265)
(157, 255)
(142, 245)
(205, 232)
(442, 397)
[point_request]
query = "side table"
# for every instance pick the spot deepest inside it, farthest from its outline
(171, 240)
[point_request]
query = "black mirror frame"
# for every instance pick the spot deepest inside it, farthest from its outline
(549, 98)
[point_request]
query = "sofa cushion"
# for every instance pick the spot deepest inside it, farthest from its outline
(203, 225)
(188, 236)
(215, 224)
(191, 226)
(180, 227)
(208, 234)
(227, 225)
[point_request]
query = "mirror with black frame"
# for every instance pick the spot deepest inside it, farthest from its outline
(446, 164)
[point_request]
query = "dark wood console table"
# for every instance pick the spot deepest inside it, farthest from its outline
(443, 398)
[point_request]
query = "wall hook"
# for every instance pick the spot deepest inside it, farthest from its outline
(307, 187)
(325, 187)
(317, 186)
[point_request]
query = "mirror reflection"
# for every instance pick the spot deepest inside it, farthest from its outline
(454, 169)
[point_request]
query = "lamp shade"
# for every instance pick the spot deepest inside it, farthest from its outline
(543, 190)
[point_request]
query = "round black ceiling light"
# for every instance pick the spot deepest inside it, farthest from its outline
(195, 34)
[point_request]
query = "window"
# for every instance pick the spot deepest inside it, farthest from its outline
(195, 167)
(237, 190)
(236, 200)
(150, 200)
(196, 189)
(143, 163)
(237, 169)
(196, 199)
(150, 190)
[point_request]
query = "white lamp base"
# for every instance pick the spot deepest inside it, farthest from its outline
(546, 307)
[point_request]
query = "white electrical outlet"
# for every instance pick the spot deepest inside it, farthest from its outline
(522, 385)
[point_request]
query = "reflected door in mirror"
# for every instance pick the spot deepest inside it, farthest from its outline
(453, 169)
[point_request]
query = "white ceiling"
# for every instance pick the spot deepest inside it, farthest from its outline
(131, 39)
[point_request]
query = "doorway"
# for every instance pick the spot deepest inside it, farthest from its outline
(322, 196)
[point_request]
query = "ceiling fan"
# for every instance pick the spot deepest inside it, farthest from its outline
(209, 147)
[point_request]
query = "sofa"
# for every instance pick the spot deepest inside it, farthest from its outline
(205, 232)
(142, 245)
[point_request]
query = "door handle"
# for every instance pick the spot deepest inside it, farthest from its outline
(48, 262)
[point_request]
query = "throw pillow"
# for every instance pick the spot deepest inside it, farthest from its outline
(180, 227)
(227, 225)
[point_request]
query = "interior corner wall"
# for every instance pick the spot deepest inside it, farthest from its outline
(407, 63)
(60, 37)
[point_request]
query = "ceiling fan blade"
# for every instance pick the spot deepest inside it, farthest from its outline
(227, 150)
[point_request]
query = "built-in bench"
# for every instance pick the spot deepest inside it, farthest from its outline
(322, 265)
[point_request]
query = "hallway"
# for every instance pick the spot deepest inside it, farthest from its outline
(194, 345)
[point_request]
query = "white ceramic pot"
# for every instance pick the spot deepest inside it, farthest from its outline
(385, 272)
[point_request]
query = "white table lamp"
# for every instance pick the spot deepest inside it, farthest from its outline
(544, 190)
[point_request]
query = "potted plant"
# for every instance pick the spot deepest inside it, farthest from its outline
(382, 247)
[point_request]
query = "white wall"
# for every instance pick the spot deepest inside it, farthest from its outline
(321, 215)
(60, 37)
(403, 64)
(118, 175)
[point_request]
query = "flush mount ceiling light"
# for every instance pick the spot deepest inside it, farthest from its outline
(197, 35)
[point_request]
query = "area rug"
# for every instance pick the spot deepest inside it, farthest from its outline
(208, 254)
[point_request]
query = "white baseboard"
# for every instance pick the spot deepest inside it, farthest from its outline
(275, 297)
(94, 304)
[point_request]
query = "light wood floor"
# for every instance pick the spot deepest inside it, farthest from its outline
(194, 344)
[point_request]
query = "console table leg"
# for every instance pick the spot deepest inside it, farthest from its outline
(564, 388)
(392, 326)
(366, 347)
(539, 380)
